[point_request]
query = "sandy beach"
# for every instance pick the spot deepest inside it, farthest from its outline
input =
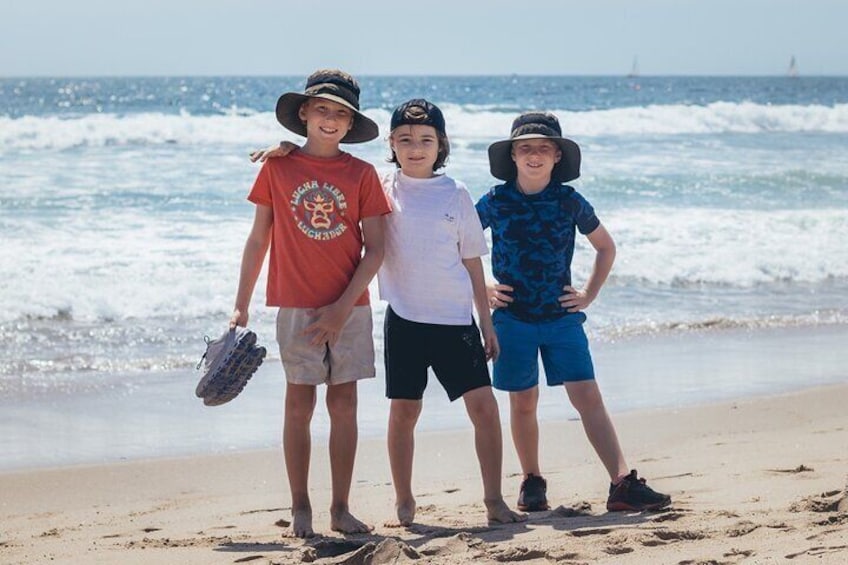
(753, 481)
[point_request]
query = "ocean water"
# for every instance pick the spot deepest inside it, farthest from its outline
(123, 216)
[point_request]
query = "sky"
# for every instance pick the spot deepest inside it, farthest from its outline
(437, 37)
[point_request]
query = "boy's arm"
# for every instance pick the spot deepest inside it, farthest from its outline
(251, 262)
(575, 300)
(280, 150)
(474, 266)
(332, 317)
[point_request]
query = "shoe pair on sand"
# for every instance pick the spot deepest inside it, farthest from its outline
(630, 494)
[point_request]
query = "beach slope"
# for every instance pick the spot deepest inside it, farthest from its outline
(754, 481)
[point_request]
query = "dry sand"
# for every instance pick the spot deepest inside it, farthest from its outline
(755, 481)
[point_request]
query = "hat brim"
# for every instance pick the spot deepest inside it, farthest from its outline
(288, 105)
(503, 167)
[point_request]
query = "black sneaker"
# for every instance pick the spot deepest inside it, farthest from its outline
(533, 494)
(633, 494)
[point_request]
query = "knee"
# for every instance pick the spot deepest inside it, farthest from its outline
(523, 406)
(300, 412)
(587, 399)
(404, 413)
(341, 406)
(483, 408)
(341, 403)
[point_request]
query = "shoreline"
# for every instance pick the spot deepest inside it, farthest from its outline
(136, 416)
(758, 478)
(156, 415)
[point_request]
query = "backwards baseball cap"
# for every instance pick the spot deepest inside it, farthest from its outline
(336, 86)
(418, 112)
(535, 125)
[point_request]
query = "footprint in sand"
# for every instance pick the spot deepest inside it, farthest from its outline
(617, 549)
(261, 510)
(672, 535)
(582, 508)
(799, 469)
(331, 548)
(590, 532)
(831, 501)
(818, 551)
(742, 529)
(512, 554)
(739, 553)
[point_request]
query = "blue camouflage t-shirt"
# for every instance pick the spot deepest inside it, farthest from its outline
(533, 243)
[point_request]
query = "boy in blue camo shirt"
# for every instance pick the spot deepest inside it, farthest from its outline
(533, 217)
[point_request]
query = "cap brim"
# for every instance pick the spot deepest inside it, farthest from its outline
(503, 167)
(288, 105)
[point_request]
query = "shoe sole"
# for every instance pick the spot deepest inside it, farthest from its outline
(234, 377)
(235, 345)
(533, 507)
(231, 370)
(624, 507)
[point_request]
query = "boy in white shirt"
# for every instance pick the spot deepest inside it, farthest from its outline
(431, 274)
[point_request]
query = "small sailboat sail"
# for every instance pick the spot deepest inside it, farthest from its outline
(793, 67)
(634, 70)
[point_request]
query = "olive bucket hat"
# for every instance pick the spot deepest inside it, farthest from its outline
(336, 86)
(535, 125)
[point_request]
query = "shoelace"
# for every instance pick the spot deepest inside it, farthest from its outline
(208, 340)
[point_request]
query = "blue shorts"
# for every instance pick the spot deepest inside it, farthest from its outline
(562, 343)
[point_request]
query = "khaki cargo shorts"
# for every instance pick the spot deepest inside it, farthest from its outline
(350, 359)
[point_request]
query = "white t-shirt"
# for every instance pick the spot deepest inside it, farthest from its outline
(432, 227)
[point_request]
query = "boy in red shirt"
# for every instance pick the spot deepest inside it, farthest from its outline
(317, 208)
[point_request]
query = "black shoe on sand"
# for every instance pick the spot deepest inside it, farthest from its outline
(533, 495)
(633, 494)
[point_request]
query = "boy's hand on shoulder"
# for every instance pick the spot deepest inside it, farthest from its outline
(328, 326)
(574, 300)
(280, 150)
(499, 295)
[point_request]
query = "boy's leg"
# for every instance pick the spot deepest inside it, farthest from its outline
(517, 371)
(403, 415)
(627, 491)
(341, 407)
(300, 405)
(525, 429)
(532, 496)
(483, 410)
(586, 398)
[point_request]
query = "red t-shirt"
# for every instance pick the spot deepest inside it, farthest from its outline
(316, 238)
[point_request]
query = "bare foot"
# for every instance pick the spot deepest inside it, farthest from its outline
(345, 522)
(301, 526)
(498, 512)
(405, 514)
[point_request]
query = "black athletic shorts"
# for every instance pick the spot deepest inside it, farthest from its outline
(455, 353)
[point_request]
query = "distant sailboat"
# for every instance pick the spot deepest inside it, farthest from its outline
(793, 68)
(634, 70)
